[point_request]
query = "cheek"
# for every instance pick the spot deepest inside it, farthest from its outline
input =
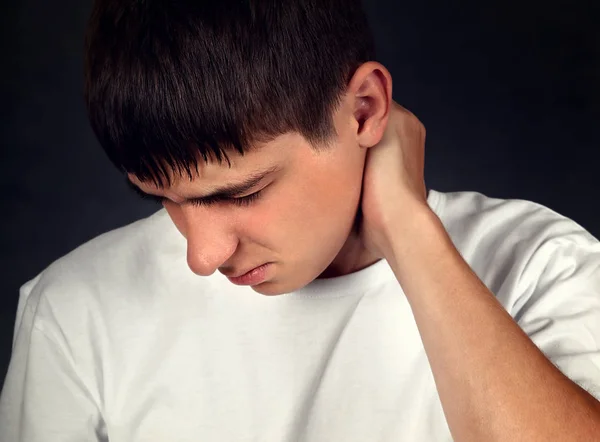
(277, 222)
(259, 224)
(336, 203)
(338, 193)
(309, 211)
(322, 213)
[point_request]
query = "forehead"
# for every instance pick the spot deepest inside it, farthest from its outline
(275, 153)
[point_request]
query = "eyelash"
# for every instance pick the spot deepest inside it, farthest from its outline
(242, 202)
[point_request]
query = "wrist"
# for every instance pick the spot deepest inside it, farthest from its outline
(417, 238)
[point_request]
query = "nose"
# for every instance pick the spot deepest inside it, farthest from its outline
(208, 248)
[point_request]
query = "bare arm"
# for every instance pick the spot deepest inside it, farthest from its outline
(493, 381)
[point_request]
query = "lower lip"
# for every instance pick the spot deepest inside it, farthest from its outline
(253, 277)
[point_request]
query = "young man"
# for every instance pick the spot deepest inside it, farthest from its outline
(285, 169)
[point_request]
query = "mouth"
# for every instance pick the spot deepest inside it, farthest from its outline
(254, 276)
(240, 274)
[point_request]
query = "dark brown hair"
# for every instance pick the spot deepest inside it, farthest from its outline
(169, 81)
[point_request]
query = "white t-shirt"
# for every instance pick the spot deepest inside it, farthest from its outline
(120, 341)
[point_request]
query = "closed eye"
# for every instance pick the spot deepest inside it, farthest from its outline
(241, 201)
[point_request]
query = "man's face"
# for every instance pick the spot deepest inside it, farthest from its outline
(302, 222)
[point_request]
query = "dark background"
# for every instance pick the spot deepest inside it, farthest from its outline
(509, 93)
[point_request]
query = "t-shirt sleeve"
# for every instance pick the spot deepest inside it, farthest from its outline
(559, 304)
(44, 398)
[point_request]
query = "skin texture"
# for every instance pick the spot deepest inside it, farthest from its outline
(304, 220)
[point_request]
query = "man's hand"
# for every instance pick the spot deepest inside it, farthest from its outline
(393, 183)
(494, 383)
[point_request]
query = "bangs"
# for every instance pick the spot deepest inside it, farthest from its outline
(171, 83)
(158, 115)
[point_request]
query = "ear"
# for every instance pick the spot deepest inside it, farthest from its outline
(370, 92)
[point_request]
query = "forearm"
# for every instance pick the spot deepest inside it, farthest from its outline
(493, 382)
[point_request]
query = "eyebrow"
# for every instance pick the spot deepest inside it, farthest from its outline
(223, 193)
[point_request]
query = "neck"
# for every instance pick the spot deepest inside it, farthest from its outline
(353, 256)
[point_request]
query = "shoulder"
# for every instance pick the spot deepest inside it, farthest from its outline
(471, 217)
(120, 254)
(517, 246)
(111, 269)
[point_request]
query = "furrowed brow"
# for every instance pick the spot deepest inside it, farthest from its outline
(223, 193)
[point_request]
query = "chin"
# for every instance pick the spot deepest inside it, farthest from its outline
(279, 285)
(271, 288)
